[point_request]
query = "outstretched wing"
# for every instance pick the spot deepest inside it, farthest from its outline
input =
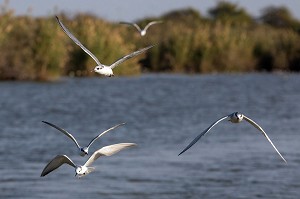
(119, 61)
(108, 151)
(64, 132)
(132, 24)
(57, 162)
(202, 134)
(95, 138)
(77, 41)
(265, 134)
(151, 23)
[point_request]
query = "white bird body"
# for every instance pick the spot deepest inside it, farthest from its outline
(101, 68)
(234, 118)
(141, 31)
(104, 70)
(82, 150)
(82, 170)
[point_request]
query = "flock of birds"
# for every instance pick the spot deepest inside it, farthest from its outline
(101, 68)
(82, 170)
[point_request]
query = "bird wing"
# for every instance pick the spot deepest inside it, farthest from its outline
(151, 23)
(202, 134)
(132, 24)
(108, 151)
(57, 162)
(119, 61)
(64, 132)
(77, 41)
(95, 138)
(265, 134)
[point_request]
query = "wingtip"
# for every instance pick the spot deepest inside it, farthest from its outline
(45, 122)
(281, 156)
(132, 145)
(151, 46)
(118, 125)
(284, 160)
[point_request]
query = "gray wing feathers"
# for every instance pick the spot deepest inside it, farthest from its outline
(77, 41)
(57, 162)
(151, 23)
(108, 151)
(64, 132)
(95, 138)
(137, 27)
(265, 134)
(132, 24)
(202, 134)
(119, 61)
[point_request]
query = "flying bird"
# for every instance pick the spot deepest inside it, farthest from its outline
(235, 117)
(101, 68)
(82, 170)
(141, 31)
(82, 150)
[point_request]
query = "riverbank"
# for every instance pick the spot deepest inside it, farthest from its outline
(187, 42)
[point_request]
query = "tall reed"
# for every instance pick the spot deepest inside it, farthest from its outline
(37, 49)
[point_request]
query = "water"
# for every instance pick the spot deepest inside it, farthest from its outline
(163, 114)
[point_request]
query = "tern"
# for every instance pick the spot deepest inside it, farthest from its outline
(101, 68)
(82, 150)
(141, 31)
(235, 117)
(82, 170)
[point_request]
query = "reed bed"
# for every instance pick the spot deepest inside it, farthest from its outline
(35, 48)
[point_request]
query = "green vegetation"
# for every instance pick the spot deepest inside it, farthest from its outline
(228, 40)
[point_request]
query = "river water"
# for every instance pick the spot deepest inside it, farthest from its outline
(163, 113)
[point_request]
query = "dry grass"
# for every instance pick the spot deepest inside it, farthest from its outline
(37, 49)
